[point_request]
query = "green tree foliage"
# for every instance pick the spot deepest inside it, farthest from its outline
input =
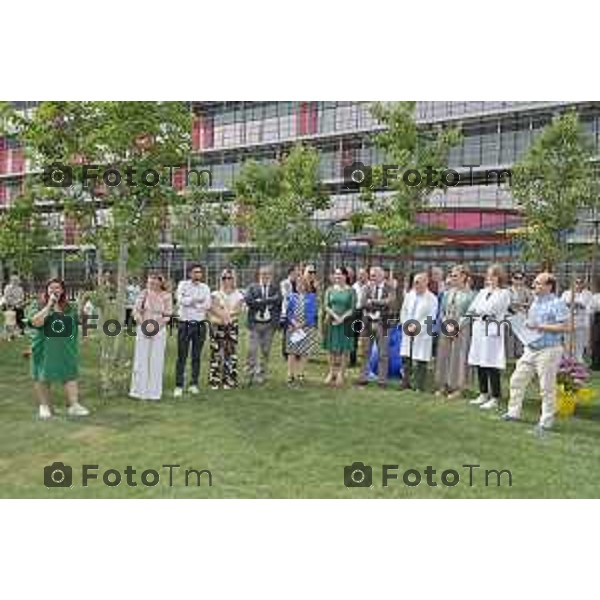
(408, 147)
(277, 203)
(551, 183)
(142, 143)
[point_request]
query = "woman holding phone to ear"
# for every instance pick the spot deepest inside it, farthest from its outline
(55, 349)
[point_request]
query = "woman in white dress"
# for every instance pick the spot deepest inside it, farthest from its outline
(153, 308)
(488, 312)
(419, 305)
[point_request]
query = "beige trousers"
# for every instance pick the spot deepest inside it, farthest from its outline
(543, 363)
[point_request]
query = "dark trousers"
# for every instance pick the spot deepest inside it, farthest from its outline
(194, 333)
(414, 375)
(596, 342)
(20, 317)
(284, 329)
(356, 320)
(489, 380)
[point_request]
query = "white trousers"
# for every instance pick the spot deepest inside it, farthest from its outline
(148, 365)
(543, 363)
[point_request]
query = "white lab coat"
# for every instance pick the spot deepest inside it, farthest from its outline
(487, 343)
(427, 307)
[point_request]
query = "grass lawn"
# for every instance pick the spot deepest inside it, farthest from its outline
(272, 442)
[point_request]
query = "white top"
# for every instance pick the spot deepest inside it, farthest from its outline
(360, 290)
(487, 341)
(585, 298)
(193, 300)
(418, 307)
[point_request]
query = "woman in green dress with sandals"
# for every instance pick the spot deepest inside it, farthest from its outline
(55, 348)
(339, 305)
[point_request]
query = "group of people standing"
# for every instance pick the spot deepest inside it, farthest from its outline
(445, 320)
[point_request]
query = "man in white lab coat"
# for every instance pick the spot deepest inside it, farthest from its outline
(417, 316)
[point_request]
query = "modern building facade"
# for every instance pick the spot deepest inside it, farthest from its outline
(476, 221)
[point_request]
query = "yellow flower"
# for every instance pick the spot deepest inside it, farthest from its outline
(585, 395)
(566, 403)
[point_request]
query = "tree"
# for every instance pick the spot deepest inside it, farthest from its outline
(118, 160)
(419, 157)
(22, 233)
(278, 202)
(551, 183)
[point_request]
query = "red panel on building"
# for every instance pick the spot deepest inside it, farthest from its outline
(179, 178)
(70, 231)
(3, 156)
(306, 118)
(17, 160)
(196, 133)
(207, 132)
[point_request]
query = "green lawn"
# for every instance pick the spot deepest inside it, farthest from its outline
(272, 442)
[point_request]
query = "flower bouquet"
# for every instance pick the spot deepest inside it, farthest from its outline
(571, 379)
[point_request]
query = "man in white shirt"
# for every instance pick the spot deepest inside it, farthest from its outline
(193, 302)
(360, 287)
(583, 309)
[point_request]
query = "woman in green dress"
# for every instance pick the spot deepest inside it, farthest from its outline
(339, 305)
(55, 348)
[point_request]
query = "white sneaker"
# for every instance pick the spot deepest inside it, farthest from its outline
(45, 412)
(194, 390)
(490, 404)
(481, 399)
(178, 393)
(76, 410)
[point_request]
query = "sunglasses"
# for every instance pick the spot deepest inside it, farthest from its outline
(311, 272)
(226, 277)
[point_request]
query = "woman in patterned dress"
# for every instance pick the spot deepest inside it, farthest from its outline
(226, 306)
(302, 334)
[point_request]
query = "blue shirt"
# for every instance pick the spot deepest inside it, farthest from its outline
(547, 310)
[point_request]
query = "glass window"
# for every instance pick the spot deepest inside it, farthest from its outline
(472, 148)
(489, 144)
